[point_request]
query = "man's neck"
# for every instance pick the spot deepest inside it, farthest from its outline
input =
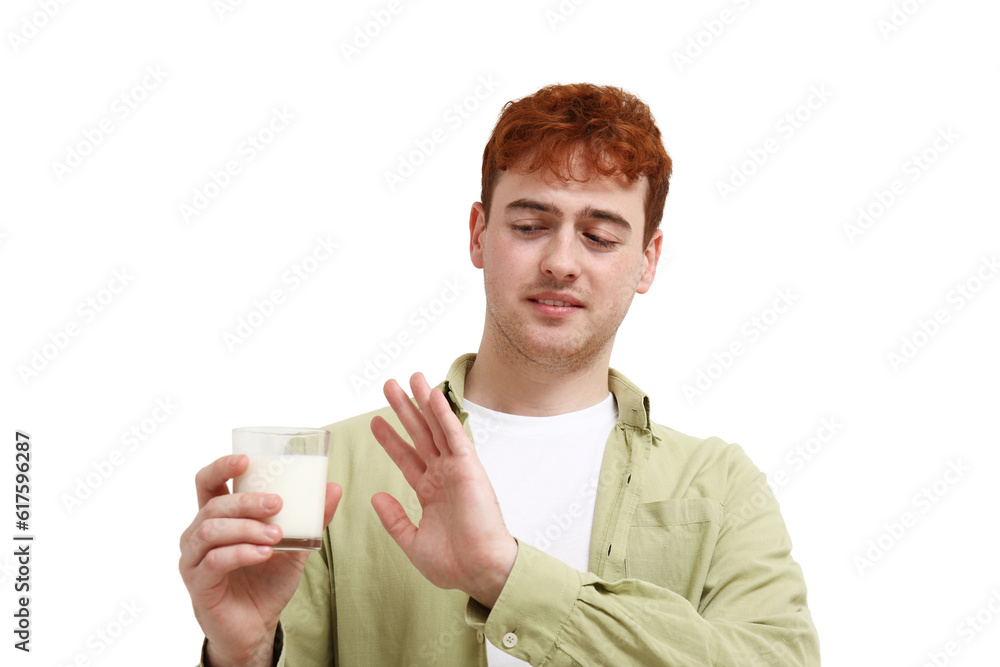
(515, 385)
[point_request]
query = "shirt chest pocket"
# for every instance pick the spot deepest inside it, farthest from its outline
(671, 542)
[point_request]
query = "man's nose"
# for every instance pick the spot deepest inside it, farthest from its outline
(561, 256)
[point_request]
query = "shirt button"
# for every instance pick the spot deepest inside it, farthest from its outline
(510, 640)
(479, 636)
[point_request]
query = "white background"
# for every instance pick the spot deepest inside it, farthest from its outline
(63, 234)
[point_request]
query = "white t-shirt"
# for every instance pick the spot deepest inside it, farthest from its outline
(544, 471)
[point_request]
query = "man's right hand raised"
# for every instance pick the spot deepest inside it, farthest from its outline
(238, 584)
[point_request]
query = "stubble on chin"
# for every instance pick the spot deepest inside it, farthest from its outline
(521, 347)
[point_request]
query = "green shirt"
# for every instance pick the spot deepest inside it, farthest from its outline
(690, 564)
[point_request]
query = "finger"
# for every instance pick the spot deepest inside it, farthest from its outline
(231, 507)
(210, 481)
(218, 563)
(219, 532)
(395, 521)
(334, 492)
(400, 451)
(422, 392)
(412, 420)
(454, 433)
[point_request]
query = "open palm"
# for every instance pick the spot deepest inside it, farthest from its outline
(461, 541)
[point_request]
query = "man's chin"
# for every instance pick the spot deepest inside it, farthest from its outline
(563, 357)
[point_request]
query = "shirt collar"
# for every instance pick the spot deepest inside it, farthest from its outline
(633, 403)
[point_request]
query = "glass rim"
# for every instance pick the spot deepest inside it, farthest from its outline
(281, 430)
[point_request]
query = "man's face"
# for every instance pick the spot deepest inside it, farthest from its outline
(561, 263)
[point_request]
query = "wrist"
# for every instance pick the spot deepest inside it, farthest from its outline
(495, 578)
(261, 655)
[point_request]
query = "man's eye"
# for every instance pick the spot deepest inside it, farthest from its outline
(526, 228)
(598, 241)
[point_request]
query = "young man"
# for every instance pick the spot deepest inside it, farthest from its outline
(573, 530)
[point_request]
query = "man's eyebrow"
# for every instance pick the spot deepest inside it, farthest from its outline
(588, 212)
(534, 205)
(609, 216)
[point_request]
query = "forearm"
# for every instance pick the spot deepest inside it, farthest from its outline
(564, 617)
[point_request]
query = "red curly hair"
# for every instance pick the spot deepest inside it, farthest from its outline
(614, 129)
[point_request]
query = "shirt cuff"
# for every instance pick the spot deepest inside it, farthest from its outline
(277, 656)
(533, 606)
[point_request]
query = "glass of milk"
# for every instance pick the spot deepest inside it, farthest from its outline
(292, 463)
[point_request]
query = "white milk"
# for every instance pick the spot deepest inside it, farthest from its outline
(300, 480)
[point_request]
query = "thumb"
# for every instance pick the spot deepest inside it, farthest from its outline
(334, 492)
(394, 520)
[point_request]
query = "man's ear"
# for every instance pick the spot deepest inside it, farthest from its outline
(477, 227)
(649, 260)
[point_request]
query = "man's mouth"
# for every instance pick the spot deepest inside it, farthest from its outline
(550, 302)
(555, 304)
